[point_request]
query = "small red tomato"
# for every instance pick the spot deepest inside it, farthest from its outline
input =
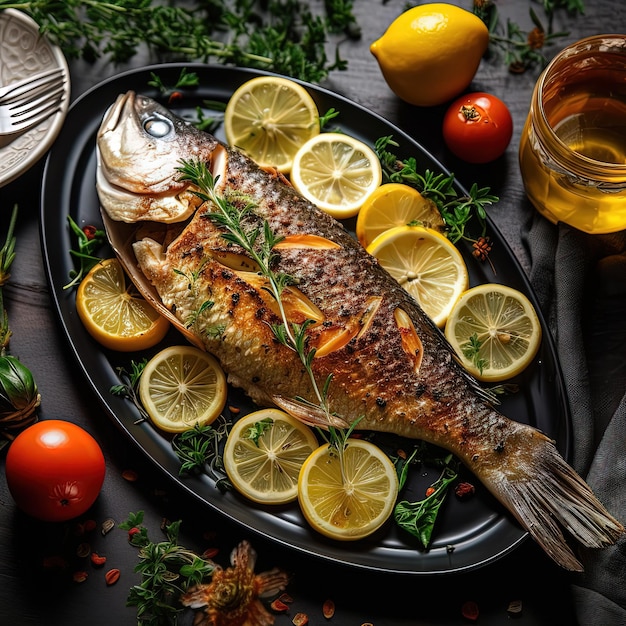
(54, 470)
(478, 127)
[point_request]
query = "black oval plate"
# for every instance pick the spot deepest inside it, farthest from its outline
(468, 534)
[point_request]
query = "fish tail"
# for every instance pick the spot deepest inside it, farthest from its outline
(544, 493)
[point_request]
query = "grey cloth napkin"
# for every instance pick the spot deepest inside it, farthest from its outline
(580, 281)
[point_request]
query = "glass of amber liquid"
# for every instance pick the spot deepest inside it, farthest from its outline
(573, 145)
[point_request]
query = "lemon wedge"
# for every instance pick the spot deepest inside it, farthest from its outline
(114, 314)
(269, 118)
(495, 331)
(182, 386)
(263, 455)
(336, 172)
(427, 264)
(352, 503)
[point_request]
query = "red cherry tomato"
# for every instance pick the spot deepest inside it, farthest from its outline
(54, 470)
(477, 127)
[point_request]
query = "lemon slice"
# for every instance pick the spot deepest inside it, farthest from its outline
(182, 386)
(496, 327)
(336, 172)
(353, 504)
(269, 118)
(265, 467)
(114, 314)
(395, 204)
(427, 264)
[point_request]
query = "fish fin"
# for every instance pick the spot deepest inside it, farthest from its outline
(309, 414)
(544, 493)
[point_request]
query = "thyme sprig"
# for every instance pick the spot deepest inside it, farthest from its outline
(523, 49)
(456, 211)
(167, 570)
(129, 387)
(283, 36)
(198, 451)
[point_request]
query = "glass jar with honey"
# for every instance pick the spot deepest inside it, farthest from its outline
(573, 145)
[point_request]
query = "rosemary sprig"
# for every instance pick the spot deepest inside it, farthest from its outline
(456, 211)
(283, 35)
(259, 242)
(167, 569)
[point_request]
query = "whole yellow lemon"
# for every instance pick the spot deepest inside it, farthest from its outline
(430, 53)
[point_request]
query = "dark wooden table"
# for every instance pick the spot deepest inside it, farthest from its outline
(32, 593)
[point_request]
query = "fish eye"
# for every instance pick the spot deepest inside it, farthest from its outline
(157, 126)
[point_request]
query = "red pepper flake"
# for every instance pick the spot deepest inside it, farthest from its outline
(83, 550)
(174, 96)
(80, 576)
(470, 610)
(401, 453)
(279, 606)
(300, 619)
(97, 560)
(130, 475)
(112, 576)
(328, 609)
(464, 490)
(107, 526)
(210, 553)
(90, 231)
(286, 598)
(515, 608)
(234, 410)
(430, 491)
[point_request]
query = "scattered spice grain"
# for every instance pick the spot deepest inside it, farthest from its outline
(328, 609)
(107, 526)
(112, 576)
(470, 610)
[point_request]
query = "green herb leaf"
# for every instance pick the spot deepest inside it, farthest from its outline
(418, 518)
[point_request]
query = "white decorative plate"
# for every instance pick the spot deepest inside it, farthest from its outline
(24, 52)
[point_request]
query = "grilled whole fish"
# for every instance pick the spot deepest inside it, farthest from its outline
(389, 363)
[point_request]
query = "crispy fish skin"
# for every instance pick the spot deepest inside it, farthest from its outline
(390, 364)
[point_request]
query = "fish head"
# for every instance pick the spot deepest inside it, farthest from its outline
(140, 144)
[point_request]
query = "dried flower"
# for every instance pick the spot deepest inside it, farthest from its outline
(536, 38)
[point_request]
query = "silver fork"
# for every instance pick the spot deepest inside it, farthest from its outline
(20, 115)
(31, 85)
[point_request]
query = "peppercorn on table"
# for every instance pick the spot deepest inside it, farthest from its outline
(580, 284)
